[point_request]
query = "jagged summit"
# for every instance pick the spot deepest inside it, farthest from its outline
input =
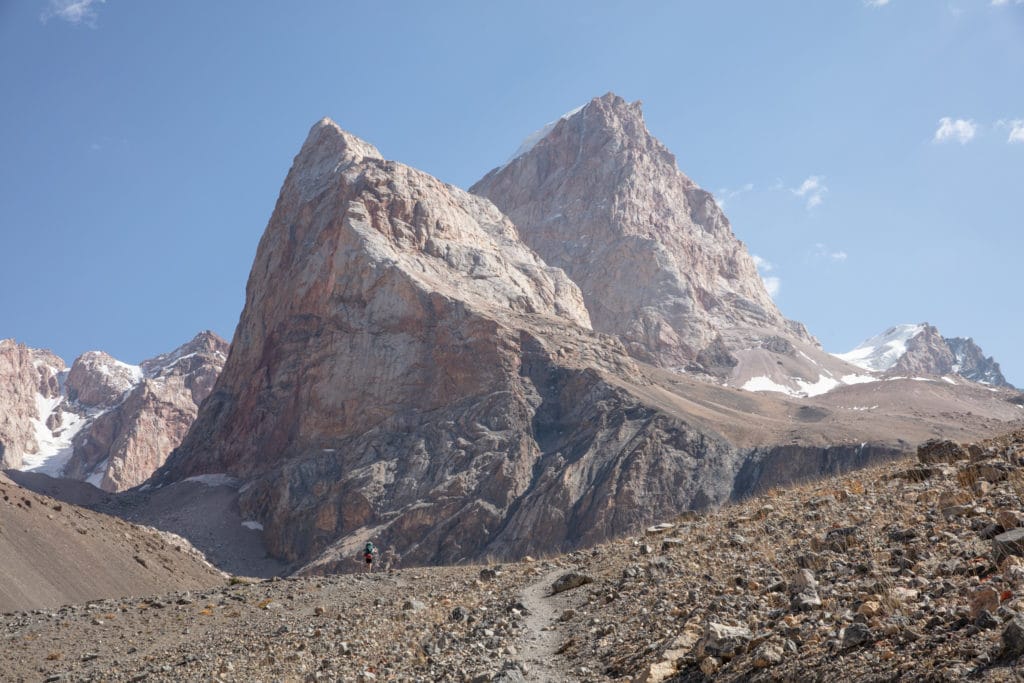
(919, 349)
(658, 264)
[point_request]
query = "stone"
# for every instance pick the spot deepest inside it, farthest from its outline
(723, 641)
(1012, 637)
(768, 653)
(657, 672)
(413, 605)
(870, 608)
(1009, 519)
(941, 451)
(842, 539)
(856, 635)
(982, 600)
(709, 665)
(670, 543)
(1008, 543)
(569, 581)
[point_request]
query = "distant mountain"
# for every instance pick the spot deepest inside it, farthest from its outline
(102, 421)
(916, 350)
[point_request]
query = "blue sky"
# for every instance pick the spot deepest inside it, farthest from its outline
(871, 154)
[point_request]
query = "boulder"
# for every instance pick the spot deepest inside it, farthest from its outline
(569, 581)
(723, 641)
(940, 451)
(1008, 543)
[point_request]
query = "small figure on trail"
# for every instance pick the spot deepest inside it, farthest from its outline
(369, 553)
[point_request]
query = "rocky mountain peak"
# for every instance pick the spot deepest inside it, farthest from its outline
(921, 350)
(973, 364)
(598, 196)
(98, 380)
(327, 151)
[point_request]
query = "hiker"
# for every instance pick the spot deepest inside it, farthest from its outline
(369, 553)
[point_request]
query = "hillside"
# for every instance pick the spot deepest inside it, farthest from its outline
(55, 553)
(887, 573)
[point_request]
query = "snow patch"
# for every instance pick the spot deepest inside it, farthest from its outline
(252, 524)
(763, 383)
(858, 379)
(54, 449)
(96, 478)
(219, 479)
(822, 386)
(950, 380)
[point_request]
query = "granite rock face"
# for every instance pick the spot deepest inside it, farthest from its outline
(654, 256)
(406, 369)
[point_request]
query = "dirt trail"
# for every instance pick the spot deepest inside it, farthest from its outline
(541, 640)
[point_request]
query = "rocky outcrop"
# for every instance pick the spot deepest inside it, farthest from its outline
(926, 354)
(29, 382)
(103, 421)
(125, 442)
(97, 380)
(972, 363)
(654, 256)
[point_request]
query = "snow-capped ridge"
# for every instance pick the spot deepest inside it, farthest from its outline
(883, 351)
(536, 136)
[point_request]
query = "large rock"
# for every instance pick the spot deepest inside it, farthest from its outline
(941, 451)
(723, 641)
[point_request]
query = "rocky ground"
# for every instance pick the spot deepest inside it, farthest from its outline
(909, 571)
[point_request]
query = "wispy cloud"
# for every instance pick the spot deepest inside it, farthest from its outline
(771, 282)
(961, 130)
(1016, 130)
(876, 3)
(1001, 3)
(725, 194)
(72, 11)
(822, 251)
(813, 189)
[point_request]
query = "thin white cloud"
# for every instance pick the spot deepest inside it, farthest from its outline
(72, 11)
(725, 194)
(1003, 3)
(876, 3)
(822, 251)
(1016, 131)
(961, 130)
(771, 282)
(813, 189)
